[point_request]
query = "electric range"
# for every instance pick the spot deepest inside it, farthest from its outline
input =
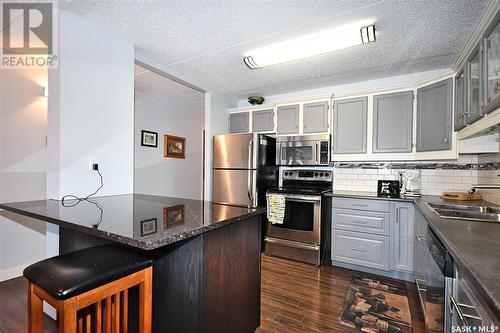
(300, 237)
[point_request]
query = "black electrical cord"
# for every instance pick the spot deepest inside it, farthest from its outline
(76, 200)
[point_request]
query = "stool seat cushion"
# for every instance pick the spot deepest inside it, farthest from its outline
(77, 272)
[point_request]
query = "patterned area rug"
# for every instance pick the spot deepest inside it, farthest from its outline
(377, 305)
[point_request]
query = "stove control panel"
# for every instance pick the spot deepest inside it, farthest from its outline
(319, 175)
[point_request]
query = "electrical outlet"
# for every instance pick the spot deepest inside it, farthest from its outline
(92, 161)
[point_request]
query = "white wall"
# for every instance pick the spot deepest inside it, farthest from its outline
(91, 111)
(216, 105)
(91, 115)
(155, 174)
(23, 116)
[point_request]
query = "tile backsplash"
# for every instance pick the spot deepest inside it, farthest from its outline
(436, 176)
(490, 176)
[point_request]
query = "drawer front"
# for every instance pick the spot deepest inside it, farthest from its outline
(362, 204)
(361, 220)
(361, 249)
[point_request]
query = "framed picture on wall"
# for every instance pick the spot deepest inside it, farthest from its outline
(172, 216)
(148, 227)
(175, 146)
(149, 139)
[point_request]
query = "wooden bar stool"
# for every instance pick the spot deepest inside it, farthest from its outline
(89, 289)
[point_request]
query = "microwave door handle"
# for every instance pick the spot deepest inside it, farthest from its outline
(317, 152)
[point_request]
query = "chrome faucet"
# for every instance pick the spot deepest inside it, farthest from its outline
(484, 186)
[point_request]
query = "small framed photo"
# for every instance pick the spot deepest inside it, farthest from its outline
(148, 227)
(175, 146)
(149, 139)
(173, 216)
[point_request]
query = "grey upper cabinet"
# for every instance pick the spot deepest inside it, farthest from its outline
(392, 122)
(288, 119)
(315, 117)
(460, 100)
(349, 119)
(474, 85)
(492, 66)
(434, 116)
(263, 120)
(238, 122)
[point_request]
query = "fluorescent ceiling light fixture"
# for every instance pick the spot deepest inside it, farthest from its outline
(311, 45)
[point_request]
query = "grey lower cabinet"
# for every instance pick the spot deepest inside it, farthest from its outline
(402, 225)
(349, 121)
(434, 116)
(361, 249)
(239, 122)
(393, 122)
(263, 120)
(315, 117)
(287, 119)
(373, 235)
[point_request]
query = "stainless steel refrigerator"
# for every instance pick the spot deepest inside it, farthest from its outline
(244, 167)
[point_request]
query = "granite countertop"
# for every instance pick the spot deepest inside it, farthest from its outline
(143, 221)
(474, 245)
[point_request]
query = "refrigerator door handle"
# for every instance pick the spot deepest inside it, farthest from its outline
(249, 186)
(250, 174)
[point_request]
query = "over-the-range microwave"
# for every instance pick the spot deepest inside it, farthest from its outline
(303, 150)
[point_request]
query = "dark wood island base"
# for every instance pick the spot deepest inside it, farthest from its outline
(207, 283)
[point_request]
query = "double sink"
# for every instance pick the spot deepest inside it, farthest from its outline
(464, 212)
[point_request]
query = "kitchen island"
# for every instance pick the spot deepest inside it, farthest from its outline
(206, 271)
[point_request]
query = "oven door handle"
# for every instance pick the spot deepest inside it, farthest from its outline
(297, 245)
(299, 198)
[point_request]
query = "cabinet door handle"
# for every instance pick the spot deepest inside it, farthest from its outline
(445, 140)
(358, 222)
(358, 249)
(359, 205)
(421, 237)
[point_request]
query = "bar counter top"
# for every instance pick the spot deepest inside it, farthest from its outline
(146, 222)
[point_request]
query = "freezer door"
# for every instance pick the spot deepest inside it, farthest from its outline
(235, 187)
(236, 151)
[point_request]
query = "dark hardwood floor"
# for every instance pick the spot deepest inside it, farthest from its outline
(13, 308)
(301, 298)
(296, 298)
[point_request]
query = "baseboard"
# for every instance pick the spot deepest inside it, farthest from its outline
(398, 275)
(12, 273)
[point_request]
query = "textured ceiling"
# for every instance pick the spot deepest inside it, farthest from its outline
(205, 40)
(147, 81)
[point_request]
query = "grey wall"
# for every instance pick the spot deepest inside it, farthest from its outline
(155, 174)
(216, 122)
(23, 116)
